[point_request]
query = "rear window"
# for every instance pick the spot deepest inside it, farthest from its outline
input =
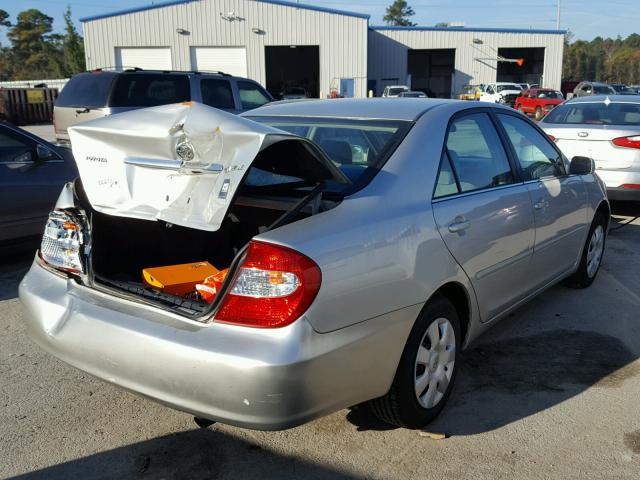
(150, 90)
(86, 90)
(596, 114)
(603, 89)
(217, 93)
(358, 147)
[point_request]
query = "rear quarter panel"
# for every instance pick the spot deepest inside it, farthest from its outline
(380, 250)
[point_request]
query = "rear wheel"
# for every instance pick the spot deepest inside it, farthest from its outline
(591, 255)
(427, 368)
(539, 113)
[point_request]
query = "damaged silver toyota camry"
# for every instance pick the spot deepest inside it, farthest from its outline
(267, 269)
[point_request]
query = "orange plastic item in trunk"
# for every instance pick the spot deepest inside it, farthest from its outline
(211, 285)
(178, 279)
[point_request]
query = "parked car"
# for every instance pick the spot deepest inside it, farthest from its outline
(584, 89)
(32, 172)
(294, 93)
(100, 93)
(412, 94)
(470, 92)
(607, 129)
(501, 92)
(464, 212)
(622, 89)
(538, 101)
(394, 90)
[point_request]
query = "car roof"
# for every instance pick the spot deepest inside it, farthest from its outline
(603, 99)
(408, 109)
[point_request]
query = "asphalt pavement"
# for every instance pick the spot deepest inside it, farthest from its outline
(551, 392)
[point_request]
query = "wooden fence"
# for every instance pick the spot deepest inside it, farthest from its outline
(23, 106)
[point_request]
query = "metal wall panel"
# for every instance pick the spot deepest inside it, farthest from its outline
(387, 54)
(342, 39)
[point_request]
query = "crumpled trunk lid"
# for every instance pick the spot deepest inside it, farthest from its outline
(183, 163)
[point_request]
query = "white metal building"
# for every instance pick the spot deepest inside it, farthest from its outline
(285, 45)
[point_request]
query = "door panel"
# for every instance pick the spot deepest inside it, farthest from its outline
(559, 200)
(495, 249)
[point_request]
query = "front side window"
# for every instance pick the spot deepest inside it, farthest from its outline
(217, 93)
(14, 149)
(537, 158)
(150, 90)
(251, 95)
(477, 154)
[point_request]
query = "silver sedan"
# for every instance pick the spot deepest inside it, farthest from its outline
(368, 242)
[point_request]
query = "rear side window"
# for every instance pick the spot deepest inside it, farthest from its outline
(627, 114)
(446, 184)
(477, 154)
(251, 95)
(537, 158)
(150, 90)
(86, 90)
(217, 93)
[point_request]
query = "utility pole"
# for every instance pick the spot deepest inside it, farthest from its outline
(558, 17)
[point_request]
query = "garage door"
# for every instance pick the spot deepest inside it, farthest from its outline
(154, 58)
(231, 60)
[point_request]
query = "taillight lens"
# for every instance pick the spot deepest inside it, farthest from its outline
(628, 142)
(551, 137)
(274, 286)
(62, 242)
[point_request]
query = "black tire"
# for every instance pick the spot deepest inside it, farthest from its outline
(581, 278)
(400, 406)
(538, 114)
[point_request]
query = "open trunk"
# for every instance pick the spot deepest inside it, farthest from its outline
(153, 202)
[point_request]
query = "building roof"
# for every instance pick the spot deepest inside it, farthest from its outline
(408, 109)
(469, 29)
(170, 3)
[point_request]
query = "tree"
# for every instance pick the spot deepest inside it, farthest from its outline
(4, 19)
(72, 47)
(34, 52)
(398, 14)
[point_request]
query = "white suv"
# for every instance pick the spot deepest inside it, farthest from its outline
(394, 90)
(501, 92)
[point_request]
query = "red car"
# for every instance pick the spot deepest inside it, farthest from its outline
(538, 101)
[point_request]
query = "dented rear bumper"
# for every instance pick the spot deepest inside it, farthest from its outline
(265, 379)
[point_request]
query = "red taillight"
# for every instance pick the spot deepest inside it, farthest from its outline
(551, 137)
(631, 185)
(628, 142)
(273, 287)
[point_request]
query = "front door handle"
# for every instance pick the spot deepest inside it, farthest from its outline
(460, 224)
(540, 204)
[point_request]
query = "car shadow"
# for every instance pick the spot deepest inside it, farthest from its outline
(193, 454)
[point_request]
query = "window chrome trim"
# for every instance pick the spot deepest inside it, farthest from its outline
(475, 192)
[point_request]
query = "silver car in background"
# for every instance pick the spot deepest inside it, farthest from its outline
(607, 129)
(368, 243)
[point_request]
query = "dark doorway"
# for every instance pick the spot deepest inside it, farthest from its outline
(293, 70)
(531, 69)
(432, 71)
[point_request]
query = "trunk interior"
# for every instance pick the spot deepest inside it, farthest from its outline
(122, 247)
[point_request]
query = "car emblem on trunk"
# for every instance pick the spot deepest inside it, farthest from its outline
(583, 134)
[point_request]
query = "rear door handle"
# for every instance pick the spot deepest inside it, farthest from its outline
(460, 224)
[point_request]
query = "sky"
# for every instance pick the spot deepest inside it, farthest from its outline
(585, 18)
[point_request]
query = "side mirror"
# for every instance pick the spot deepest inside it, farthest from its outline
(44, 153)
(581, 166)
